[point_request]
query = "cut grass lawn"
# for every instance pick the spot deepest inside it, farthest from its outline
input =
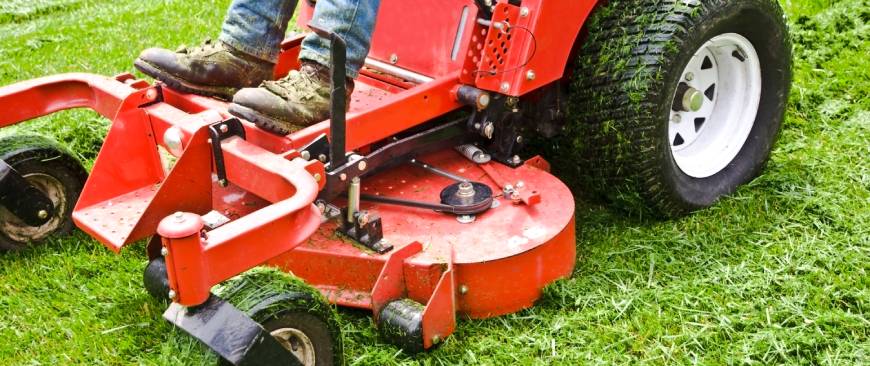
(777, 273)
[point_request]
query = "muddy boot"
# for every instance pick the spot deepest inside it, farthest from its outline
(212, 69)
(299, 100)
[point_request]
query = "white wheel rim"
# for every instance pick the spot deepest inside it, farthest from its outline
(726, 70)
(295, 341)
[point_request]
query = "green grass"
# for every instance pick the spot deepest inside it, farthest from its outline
(775, 274)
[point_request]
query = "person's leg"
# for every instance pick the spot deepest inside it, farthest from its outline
(257, 27)
(244, 56)
(353, 20)
(303, 97)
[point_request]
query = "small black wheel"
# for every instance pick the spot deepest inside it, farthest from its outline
(294, 313)
(156, 280)
(675, 104)
(52, 170)
(401, 323)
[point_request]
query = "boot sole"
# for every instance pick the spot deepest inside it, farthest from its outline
(225, 93)
(262, 121)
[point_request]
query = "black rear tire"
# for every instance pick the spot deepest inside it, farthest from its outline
(623, 88)
(53, 170)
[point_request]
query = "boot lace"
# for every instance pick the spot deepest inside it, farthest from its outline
(297, 85)
(206, 47)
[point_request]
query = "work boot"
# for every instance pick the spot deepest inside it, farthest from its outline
(299, 100)
(212, 69)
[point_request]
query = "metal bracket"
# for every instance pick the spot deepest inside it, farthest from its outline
(23, 199)
(230, 333)
(317, 149)
(366, 229)
(221, 131)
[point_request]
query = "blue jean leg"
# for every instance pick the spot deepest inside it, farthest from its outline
(257, 27)
(353, 20)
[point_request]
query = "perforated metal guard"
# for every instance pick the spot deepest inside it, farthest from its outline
(497, 62)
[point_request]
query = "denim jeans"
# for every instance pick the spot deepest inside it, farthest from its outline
(257, 27)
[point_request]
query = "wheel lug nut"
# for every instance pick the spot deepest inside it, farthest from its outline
(690, 76)
(676, 118)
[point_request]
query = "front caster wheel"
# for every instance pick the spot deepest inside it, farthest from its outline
(53, 171)
(401, 323)
(156, 280)
(676, 104)
(295, 314)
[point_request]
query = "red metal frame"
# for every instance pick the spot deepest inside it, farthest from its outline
(495, 267)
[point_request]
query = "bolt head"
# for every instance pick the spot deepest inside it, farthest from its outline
(463, 289)
(164, 252)
(519, 139)
(483, 101)
(317, 177)
(505, 87)
(362, 165)
(306, 155)
(516, 159)
(530, 75)
(524, 12)
(343, 177)
(676, 118)
(151, 94)
(224, 128)
(363, 219)
(394, 59)
(172, 295)
(690, 76)
(322, 158)
(42, 214)
(436, 339)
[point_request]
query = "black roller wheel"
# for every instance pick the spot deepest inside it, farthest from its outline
(293, 312)
(156, 280)
(401, 323)
(56, 173)
(675, 104)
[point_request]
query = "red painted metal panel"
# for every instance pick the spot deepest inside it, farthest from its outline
(540, 42)
(38, 97)
(439, 316)
(420, 34)
(514, 283)
(391, 283)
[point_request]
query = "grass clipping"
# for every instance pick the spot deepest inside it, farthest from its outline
(253, 291)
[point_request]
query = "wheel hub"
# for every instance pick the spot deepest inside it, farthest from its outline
(295, 341)
(21, 232)
(693, 99)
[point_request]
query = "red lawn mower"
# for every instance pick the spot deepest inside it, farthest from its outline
(420, 203)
